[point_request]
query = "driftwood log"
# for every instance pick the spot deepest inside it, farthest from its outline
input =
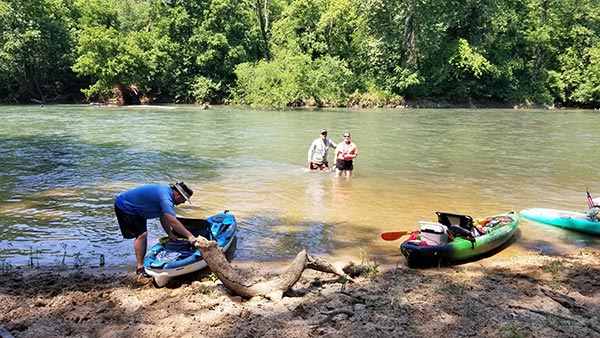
(275, 287)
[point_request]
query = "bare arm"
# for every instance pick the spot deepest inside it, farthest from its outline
(352, 154)
(170, 223)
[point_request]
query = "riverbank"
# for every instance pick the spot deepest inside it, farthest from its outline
(531, 295)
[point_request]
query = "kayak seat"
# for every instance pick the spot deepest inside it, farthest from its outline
(460, 225)
(449, 219)
(197, 226)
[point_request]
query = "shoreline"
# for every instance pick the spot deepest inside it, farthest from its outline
(531, 295)
(409, 104)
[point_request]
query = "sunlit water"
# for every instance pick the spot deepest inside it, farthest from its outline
(62, 166)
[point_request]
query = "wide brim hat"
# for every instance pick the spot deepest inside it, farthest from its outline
(184, 190)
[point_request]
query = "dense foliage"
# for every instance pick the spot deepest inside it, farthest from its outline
(301, 52)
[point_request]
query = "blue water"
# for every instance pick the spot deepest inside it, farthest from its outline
(63, 165)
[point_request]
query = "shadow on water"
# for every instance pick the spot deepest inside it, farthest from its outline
(269, 237)
(57, 195)
(553, 240)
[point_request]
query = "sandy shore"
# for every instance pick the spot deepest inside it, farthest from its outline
(532, 295)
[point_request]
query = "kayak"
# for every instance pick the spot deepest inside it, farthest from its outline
(457, 238)
(572, 220)
(171, 258)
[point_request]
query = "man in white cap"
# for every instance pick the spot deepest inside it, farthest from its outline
(134, 207)
(317, 152)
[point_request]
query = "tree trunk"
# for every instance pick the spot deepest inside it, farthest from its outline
(275, 287)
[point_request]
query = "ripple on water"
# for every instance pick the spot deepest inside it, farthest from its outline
(63, 166)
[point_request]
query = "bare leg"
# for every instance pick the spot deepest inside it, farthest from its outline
(139, 247)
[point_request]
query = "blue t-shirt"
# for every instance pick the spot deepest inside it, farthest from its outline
(147, 201)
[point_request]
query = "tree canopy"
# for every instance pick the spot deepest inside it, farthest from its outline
(284, 53)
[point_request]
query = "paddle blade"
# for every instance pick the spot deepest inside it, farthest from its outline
(394, 235)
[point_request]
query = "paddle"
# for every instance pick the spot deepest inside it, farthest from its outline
(394, 235)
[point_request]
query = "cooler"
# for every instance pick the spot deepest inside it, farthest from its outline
(433, 233)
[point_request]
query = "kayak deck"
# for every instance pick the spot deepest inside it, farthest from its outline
(168, 259)
(572, 220)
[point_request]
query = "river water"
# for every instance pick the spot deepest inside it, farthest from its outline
(63, 165)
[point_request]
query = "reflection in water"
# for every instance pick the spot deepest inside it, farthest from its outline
(341, 191)
(62, 166)
(317, 198)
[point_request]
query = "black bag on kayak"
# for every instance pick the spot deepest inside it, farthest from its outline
(180, 245)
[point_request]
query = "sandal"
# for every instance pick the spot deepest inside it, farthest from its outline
(142, 272)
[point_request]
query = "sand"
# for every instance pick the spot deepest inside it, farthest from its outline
(532, 295)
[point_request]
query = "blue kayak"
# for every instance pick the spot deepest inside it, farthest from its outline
(168, 258)
(572, 220)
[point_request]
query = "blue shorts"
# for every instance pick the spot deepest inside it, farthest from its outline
(131, 225)
(344, 165)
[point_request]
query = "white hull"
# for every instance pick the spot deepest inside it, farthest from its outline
(163, 276)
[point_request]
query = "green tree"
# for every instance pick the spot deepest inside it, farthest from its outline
(220, 37)
(575, 40)
(311, 43)
(36, 50)
(587, 78)
(464, 46)
(265, 13)
(119, 50)
(184, 51)
(293, 80)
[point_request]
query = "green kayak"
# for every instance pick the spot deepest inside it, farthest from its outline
(457, 238)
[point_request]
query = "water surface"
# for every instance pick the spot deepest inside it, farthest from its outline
(63, 165)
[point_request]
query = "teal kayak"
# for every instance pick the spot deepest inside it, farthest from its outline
(459, 239)
(572, 220)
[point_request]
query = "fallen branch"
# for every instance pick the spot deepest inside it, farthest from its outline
(275, 287)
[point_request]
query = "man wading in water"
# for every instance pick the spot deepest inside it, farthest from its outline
(317, 153)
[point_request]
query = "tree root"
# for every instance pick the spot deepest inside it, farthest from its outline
(333, 313)
(275, 287)
(582, 322)
(564, 300)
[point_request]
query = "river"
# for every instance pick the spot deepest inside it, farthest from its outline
(62, 166)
